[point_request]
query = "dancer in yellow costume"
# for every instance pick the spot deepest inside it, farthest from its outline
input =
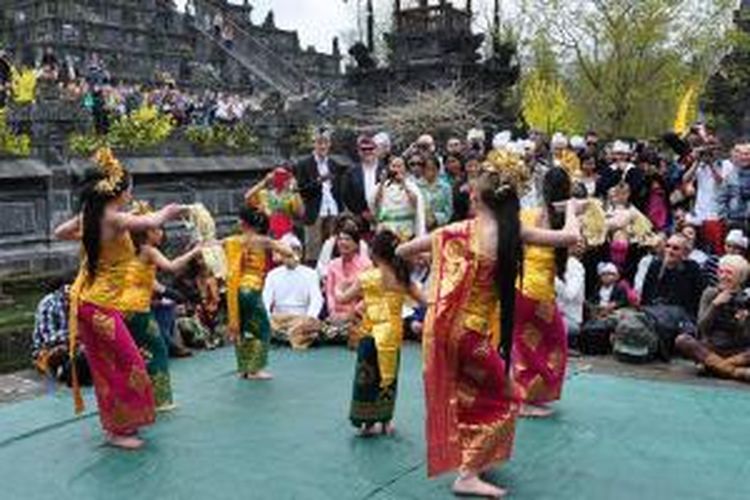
(248, 262)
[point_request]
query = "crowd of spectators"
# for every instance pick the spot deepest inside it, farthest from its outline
(670, 270)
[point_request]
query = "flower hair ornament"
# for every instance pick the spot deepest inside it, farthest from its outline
(111, 168)
(141, 208)
(510, 168)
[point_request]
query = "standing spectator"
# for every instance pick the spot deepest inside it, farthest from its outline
(589, 175)
(734, 198)
(50, 337)
(399, 205)
(437, 194)
(673, 280)
(708, 174)
(318, 181)
(360, 182)
(622, 170)
(383, 142)
(277, 197)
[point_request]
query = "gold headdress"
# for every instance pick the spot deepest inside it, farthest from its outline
(111, 168)
(510, 167)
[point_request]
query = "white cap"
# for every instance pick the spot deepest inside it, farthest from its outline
(577, 142)
(502, 139)
(606, 268)
(621, 147)
(382, 140)
(476, 135)
(737, 238)
(291, 241)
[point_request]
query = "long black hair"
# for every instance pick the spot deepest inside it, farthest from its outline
(503, 201)
(255, 219)
(383, 247)
(93, 205)
(556, 186)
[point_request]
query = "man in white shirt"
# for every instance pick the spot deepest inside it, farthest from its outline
(571, 293)
(293, 299)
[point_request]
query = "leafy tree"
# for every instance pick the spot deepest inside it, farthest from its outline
(629, 63)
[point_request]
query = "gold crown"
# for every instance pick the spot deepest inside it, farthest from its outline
(509, 166)
(111, 168)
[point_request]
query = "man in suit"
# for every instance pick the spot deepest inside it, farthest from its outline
(318, 181)
(360, 182)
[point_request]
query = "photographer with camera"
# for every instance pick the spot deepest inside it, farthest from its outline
(723, 343)
(399, 205)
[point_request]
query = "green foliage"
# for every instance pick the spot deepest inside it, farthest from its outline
(85, 145)
(626, 63)
(10, 143)
(236, 139)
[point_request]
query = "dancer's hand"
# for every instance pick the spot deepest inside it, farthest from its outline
(173, 211)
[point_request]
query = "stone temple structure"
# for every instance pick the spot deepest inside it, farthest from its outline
(138, 39)
(432, 45)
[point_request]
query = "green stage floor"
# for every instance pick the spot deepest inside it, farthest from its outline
(613, 438)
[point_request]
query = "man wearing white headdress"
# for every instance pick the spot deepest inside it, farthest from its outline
(621, 170)
(563, 156)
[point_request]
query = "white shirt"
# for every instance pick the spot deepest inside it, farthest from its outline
(571, 293)
(328, 206)
(293, 291)
(605, 295)
(707, 189)
(371, 182)
(640, 274)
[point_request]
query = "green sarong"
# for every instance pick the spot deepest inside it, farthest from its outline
(371, 403)
(252, 345)
(145, 332)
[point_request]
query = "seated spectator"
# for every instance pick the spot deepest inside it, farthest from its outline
(655, 247)
(293, 299)
(690, 232)
(50, 337)
(736, 243)
(673, 279)
(329, 250)
(610, 295)
(343, 319)
(723, 345)
(571, 291)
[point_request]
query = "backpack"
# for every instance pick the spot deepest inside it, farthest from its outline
(594, 338)
(669, 322)
(635, 339)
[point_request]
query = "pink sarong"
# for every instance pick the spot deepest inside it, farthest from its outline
(122, 386)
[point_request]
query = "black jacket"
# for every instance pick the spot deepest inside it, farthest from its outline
(681, 286)
(353, 189)
(311, 189)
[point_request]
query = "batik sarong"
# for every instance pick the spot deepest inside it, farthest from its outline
(155, 353)
(372, 401)
(121, 383)
(252, 344)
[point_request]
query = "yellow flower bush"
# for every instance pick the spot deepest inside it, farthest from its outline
(10, 143)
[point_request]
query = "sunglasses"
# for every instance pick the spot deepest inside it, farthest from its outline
(416, 164)
(673, 246)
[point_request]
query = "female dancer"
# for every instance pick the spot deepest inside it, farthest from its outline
(247, 260)
(540, 344)
(383, 290)
(141, 281)
(471, 408)
(123, 389)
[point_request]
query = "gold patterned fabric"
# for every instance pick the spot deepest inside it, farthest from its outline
(383, 321)
(538, 281)
(140, 279)
(247, 270)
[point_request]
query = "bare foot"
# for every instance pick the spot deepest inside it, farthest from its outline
(532, 411)
(370, 430)
(166, 408)
(261, 375)
(389, 429)
(471, 485)
(125, 442)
